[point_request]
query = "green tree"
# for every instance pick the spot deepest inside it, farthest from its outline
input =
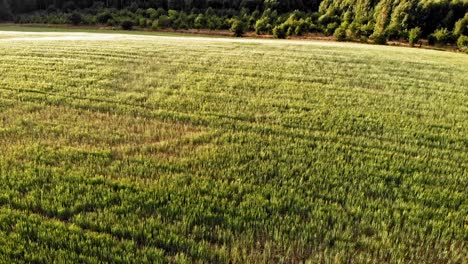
(75, 18)
(279, 31)
(127, 24)
(200, 21)
(414, 36)
(462, 43)
(237, 27)
(162, 22)
(442, 36)
(103, 17)
(262, 26)
(379, 38)
(461, 26)
(5, 11)
(340, 34)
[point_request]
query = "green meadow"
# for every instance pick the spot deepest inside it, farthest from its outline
(153, 149)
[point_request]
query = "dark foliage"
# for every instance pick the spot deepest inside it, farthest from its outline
(126, 25)
(75, 18)
(441, 22)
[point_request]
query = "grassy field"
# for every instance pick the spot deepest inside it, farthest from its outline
(139, 149)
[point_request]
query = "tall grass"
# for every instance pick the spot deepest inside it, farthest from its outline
(203, 150)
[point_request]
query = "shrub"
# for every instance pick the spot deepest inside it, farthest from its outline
(126, 24)
(152, 13)
(367, 29)
(75, 18)
(154, 25)
(57, 19)
(461, 27)
(379, 38)
(353, 31)
(103, 18)
(200, 21)
(271, 4)
(442, 36)
(414, 36)
(212, 22)
(340, 34)
(300, 30)
(330, 29)
(294, 25)
(404, 34)
(88, 19)
(301, 27)
(162, 22)
(142, 22)
(328, 19)
(261, 26)
(392, 33)
(431, 40)
(237, 27)
(160, 12)
(311, 26)
(462, 43)
(279, 32)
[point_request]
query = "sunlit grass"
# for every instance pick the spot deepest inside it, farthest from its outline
(146, 149)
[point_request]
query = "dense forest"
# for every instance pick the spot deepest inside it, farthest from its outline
(440, 21)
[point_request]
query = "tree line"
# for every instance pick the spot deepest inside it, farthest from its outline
(440, 21)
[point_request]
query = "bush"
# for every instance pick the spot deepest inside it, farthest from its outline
(160, 12)
(103, 18)
(330, 29)
(379, 38)
(328, 19)
(237, 27)
(311, 26)
(178, 19)
(126, 24)
(200, 21)
(461, 27)
(75, 18)
(294, 25)
(57, 19)
(152, 13)
(367, 29)
(301, 27)
(162, 22)
(353, 31)
(442, 36)
(262, 26)
(154, 25)
(462, 43)
(142, 22)
(88, 19)
(414, 36)
(340, 34)
(279, 32)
